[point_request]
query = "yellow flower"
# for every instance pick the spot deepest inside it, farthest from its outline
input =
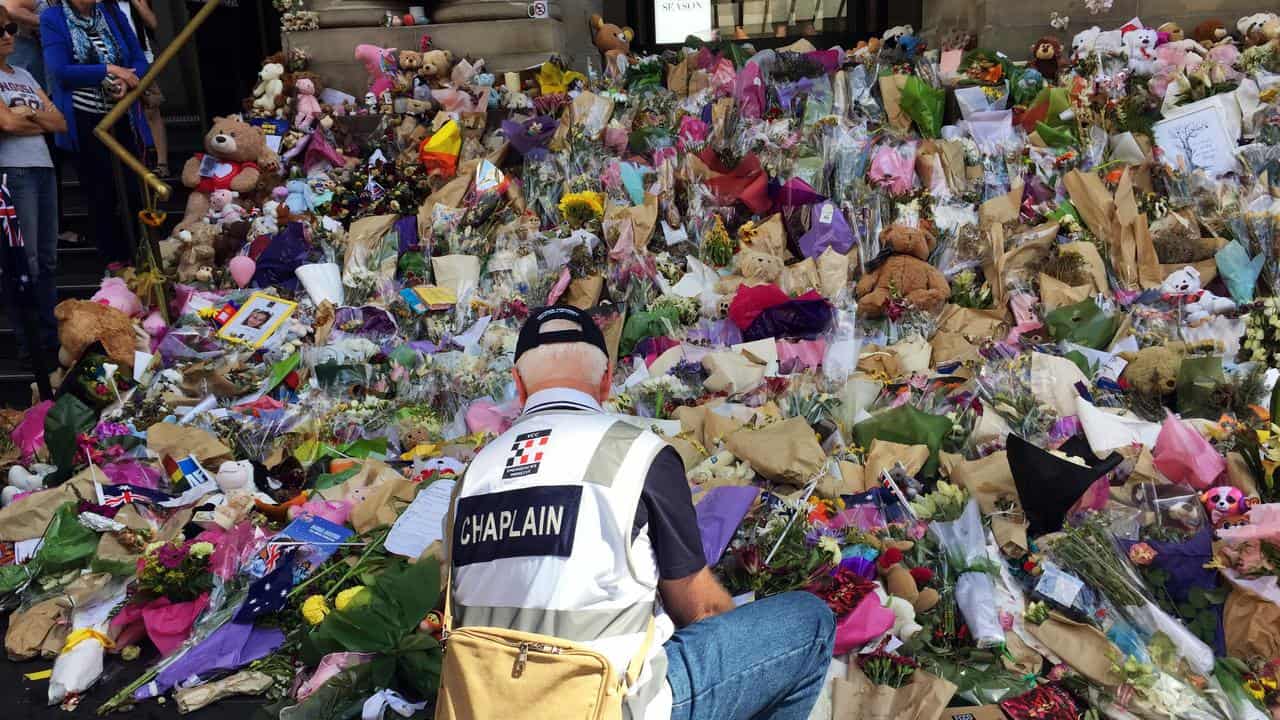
(202, 549)
(582, 205)
(348, 596)
(314, 609)
(829, 544)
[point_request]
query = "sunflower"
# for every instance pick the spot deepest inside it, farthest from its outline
(580, 208)
(1254, 686)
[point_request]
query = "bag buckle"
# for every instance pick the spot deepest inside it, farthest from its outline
(518, 669)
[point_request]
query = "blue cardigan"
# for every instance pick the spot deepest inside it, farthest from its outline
(66, 75)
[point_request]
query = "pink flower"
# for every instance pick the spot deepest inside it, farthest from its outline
(1142, 554)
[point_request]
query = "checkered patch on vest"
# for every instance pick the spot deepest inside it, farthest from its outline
(526, 454)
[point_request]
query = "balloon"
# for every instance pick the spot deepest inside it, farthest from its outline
(242, 268)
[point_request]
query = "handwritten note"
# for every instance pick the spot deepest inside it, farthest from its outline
(422, 522)
(1197, 140)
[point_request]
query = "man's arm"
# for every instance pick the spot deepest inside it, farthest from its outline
(23, 12)
(694, 598)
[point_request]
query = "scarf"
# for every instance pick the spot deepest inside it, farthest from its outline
(81, 28)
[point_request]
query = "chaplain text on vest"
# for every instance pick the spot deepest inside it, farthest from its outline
(528, 522)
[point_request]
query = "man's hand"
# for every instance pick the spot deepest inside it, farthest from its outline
(693, 598)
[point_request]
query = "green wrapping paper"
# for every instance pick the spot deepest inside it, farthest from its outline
(908, 426)
(1083, 323)
(923, 103)
(66, 419)
(1198, 381)
(67, 545)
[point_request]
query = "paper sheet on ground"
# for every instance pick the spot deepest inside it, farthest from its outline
(422, 522)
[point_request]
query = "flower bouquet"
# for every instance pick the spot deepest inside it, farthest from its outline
(881, 685)
(957, 524)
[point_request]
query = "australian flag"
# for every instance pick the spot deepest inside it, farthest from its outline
(270, 593)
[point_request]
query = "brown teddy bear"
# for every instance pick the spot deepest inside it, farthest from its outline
(1046, 57)
(1154, 370)
(754, 268)
(614, 44)
(900, 582)
(234, 152)
(906, 273)
(410, 62)
(436, 66)
(197, 251)
(81, 323)
(1210, 34)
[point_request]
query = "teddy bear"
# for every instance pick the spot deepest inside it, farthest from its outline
(905, 273)
(902, 583)
(409, 62)
(223, 208)
(1182, 288)
(196, 251)
(435, 70)
(1140, 45)
(1253, 28)
(23, 481)
(901, 42)
(1154, 370)
(614, 44)
(1224, 503)
(115, 292)
(307, 105)
(753, 268)
(81, 323)
(233, 476)
(380, 64)
(1083, 43)
(270, 88)
(1046, 57)
(234, 152)
(1210, 34)
(721, 469)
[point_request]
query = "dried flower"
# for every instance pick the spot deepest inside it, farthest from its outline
(1142, 554)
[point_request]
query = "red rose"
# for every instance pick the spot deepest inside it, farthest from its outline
(890, 557)
(922, 575)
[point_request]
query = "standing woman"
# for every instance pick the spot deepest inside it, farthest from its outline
(143, 22)
(26, 113)
(27, 52)
(93, 59)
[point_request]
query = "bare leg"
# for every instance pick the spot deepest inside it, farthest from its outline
(161, 136)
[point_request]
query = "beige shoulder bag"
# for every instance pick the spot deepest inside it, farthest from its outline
(495, 673)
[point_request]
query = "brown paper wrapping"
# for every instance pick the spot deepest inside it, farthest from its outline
(42, 629)
(833, 273)
(852, 480)
(876, 361)
(770, 237)
(383, 504)
(785, 451)
(1251, 625)
(951, 347)
(456, 272)
(883, 455)
(643, 219)
(26, 519)
(1092, 261)
(891, 95)
(990, 480)
(731, 372)
(1207, 268)
(371, 474)
(179, 441)
(584, 293)
(449, 195)
(678, 77)
(800, 277)
(923, 698)
(1055, 294)
(951, 152)
(1117, 221)
(1083, 647)
(974, 325)
(1239, 476)
(245, 682)
(365, 235)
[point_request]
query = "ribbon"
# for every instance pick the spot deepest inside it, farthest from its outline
(375, 706)
(83, 634)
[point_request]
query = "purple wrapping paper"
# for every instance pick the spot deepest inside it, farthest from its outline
(524, 138)
(230, 647)
(375, 324)
(719, 513)
(716, 333)
(748, 90)
(1185, 563)
(793, 193)
(407, 231)
(287, 250)
(799, 318)
(834, 233)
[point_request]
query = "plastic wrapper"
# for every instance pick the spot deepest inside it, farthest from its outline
(76, 670)
(964, 543)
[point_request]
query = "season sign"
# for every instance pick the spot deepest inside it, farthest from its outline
(516, 523)
(675, 20)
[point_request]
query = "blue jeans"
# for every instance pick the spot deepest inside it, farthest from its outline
(35, 198)
(766, 659)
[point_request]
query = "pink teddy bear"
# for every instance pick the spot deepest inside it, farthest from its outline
(308, 106)
(381, 64)
(223, 208)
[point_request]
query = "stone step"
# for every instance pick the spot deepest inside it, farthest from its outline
(504, 45)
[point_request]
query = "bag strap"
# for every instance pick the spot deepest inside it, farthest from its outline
(636, 665)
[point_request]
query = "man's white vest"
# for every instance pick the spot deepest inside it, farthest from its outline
(541, 542)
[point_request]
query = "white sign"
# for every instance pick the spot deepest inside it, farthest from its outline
(675, 20)
(539, 10)
(1197, 140)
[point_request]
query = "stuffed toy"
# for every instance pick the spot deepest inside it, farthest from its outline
(223, 208)
(21, 481)
(866, 50)
(1170, 32)
(1223, 503)
(437, 65)
(1140, 45)
(753, 268)
(409, 62)
(1211, 34)
(614, 44)
(1084, 42)
(269, 91)
(721, 469)
(1253, 28)
(906, 273)
(233, 476)
(234, 150)
(196, 251)
(307, 106)
(380, 64)
(1110, 43)
(115, 292)
(905, 626)
(1182, 288)
(900, 582)
(1154, 370)
(81, 323)
(1046, 57)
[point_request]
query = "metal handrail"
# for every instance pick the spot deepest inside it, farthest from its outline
(159, 188)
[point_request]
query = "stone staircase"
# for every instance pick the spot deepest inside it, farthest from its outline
(80, 269)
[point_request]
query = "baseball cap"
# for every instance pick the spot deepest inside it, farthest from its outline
(532, 336)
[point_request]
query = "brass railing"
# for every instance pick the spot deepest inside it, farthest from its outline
(158, 187)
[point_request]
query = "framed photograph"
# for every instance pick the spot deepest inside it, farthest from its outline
(1197, 140)
(257, 320)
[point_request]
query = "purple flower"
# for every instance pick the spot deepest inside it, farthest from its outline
(171, 556)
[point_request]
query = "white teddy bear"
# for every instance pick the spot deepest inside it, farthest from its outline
(1182, 287)
(22, 481)
(1084, 42)
(1141, 45)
